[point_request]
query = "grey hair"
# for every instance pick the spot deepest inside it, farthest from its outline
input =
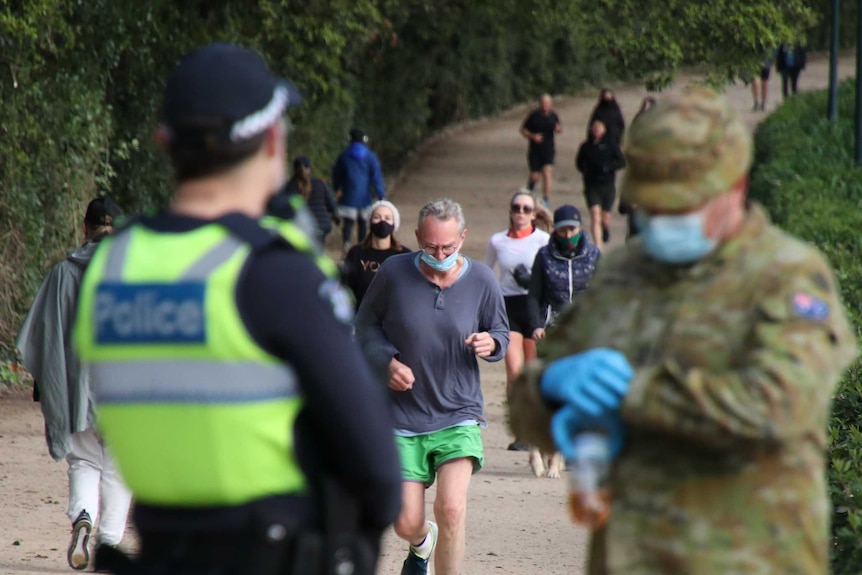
(441, 210)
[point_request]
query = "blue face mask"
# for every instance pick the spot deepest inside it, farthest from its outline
(440, 265)
(675, 239)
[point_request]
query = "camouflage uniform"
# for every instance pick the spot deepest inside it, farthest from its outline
(735, 359)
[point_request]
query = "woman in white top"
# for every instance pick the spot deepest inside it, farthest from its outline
(513, 251)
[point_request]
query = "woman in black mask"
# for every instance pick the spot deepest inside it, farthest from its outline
(363, 260)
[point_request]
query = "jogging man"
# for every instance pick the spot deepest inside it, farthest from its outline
(424, 320)
(539, 128)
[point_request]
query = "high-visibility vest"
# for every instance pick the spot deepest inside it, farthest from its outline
(194, 411)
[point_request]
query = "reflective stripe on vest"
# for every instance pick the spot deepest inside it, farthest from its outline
(173, 381)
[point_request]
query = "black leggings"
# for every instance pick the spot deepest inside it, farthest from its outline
(347, 229)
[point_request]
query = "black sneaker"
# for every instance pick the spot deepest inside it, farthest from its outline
(606, 234)
(79, 549)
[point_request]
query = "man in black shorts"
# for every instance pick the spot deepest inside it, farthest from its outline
(598, 160)
(539, 128)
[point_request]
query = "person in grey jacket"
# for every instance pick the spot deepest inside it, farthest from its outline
(562, 269)
(63, 390)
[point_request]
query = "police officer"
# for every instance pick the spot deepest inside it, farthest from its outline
(716, 340)
(226, 380)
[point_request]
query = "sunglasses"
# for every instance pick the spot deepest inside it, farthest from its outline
(521, 209)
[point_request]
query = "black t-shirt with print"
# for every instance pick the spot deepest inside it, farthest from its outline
(361, 264)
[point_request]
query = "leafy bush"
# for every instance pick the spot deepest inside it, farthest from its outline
(805, 175)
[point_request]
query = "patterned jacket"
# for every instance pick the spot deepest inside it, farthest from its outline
(557, 279)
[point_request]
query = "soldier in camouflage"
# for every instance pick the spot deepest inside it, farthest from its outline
(716, 340)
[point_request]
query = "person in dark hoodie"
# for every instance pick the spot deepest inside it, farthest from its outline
(598, 159)
(608, 112)
(562, 270)
(317, 195)
(356, 171)
(63, 385)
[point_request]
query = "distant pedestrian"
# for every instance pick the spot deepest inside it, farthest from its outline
(789, 62)
(513, 251)
(598, 160)
(539, 128)
(424, 320)
(96, 491)
(317, 195)
(355, 173)
(364, 260)
(608, 112)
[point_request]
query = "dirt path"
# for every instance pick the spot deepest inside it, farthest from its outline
(516, 524)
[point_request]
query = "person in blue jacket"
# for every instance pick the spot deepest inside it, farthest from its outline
(356, 171)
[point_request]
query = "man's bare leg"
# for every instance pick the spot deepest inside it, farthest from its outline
(411, 524)
(606, 221)
(450, 509)
(547, 179)
(596, 226)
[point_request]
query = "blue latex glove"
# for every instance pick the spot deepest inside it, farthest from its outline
(569, 421)
(593, 382)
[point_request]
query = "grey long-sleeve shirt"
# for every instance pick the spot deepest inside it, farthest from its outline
(403, 315)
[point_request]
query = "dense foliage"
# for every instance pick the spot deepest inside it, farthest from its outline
(80, 84)
(805, 175)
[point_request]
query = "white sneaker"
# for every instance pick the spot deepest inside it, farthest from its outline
(79, 549)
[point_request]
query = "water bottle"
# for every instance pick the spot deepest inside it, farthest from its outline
(589, 496)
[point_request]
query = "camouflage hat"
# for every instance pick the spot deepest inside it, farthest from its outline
(685, 150)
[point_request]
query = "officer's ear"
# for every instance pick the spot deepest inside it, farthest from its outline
(275, 139)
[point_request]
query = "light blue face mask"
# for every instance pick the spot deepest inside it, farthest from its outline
(440, 265)
(675, 239)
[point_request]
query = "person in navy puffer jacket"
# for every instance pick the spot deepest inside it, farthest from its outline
(355, 173)
(562, 269)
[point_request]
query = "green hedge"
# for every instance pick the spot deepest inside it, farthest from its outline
(805, 175)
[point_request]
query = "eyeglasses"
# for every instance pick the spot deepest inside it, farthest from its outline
(447, 250)
(521, 209)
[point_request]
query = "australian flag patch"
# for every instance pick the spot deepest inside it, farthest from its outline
(809, 307)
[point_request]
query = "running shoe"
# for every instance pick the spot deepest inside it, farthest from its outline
(416, 564)
(79, 549)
